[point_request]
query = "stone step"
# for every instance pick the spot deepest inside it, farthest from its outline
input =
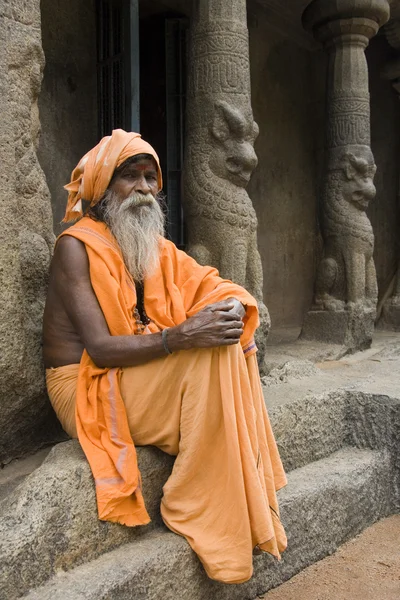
(49, 522)
(324, 504)
(313, 417)
(14, 473)
(54, 509)
(310, 427)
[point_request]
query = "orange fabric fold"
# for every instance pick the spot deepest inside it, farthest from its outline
(177, 290)
(93, 173)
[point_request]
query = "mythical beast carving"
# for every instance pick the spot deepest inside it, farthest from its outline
(346, 276)
(220, 214)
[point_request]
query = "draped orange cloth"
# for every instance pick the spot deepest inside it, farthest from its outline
(177, 290)
(93, 173)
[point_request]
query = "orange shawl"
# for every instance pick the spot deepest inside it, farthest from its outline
(179, 289)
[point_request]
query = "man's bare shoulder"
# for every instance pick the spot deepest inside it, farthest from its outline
(70, 257)
(68, 245)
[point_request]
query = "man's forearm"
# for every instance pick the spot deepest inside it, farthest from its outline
(214, 326)
(132, 350)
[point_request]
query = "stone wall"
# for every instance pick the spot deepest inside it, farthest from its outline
(384, 211)
(68, 99)
(26, 236)
(288, 104)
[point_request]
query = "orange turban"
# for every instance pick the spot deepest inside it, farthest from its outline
(92, 175)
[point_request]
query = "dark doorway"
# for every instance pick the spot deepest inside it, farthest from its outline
(156, 83)
(162, 105)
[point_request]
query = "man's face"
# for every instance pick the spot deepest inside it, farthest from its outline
(139, 177)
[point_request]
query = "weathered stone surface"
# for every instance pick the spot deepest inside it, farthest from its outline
(310, 428)
(346, 277)
(220, 158)
(324, 504)
(352, 329)
(26, 237)
(14, 473)
(54, 511)
(291, 370)
(50, 524)
(374, 422)
(390, 318)
(391, 314)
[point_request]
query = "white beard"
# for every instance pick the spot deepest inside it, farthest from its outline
(137, 224)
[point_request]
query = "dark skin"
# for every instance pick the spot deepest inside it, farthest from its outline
(73, 319)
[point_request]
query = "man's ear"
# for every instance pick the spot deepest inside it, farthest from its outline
(227, 121)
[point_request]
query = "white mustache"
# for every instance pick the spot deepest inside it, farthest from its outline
(138, 200)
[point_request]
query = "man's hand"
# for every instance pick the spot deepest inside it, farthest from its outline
(218, 324)
(238, 308)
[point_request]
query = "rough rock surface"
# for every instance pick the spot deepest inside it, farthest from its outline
(49, 523)
(290, 371)
(26, 236)
(162, 565)
(308, 428)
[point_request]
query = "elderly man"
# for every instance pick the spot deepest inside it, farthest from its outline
(144, 346)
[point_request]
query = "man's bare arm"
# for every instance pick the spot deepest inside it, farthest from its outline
(217, 325)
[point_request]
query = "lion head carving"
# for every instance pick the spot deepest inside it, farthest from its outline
(233, 157)
(358, 180)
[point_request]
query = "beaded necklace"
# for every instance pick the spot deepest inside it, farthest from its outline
(141, 318)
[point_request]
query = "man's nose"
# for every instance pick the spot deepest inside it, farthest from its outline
(142, 185)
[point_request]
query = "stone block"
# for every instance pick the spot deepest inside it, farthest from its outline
(309, 429)
(390, 315)
(49, 523)
(324, 504)
(353, 329)
(374, 422)
(17, 471)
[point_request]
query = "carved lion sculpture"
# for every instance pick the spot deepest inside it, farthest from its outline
(220, 215)
(346, 276)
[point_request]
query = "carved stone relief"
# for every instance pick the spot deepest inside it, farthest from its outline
(220, 156)
(346, 289)
(346, 277)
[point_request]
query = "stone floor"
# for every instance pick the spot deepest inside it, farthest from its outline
(366, 568)
(317, 367)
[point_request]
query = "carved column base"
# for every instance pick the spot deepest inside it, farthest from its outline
(353, 329)
(390, 319)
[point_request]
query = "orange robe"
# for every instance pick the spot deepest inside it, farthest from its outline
(204, 405)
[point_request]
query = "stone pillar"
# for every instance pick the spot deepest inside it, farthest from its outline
(220, 158)
(345, 300)
(26, 236)
(391, 307)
